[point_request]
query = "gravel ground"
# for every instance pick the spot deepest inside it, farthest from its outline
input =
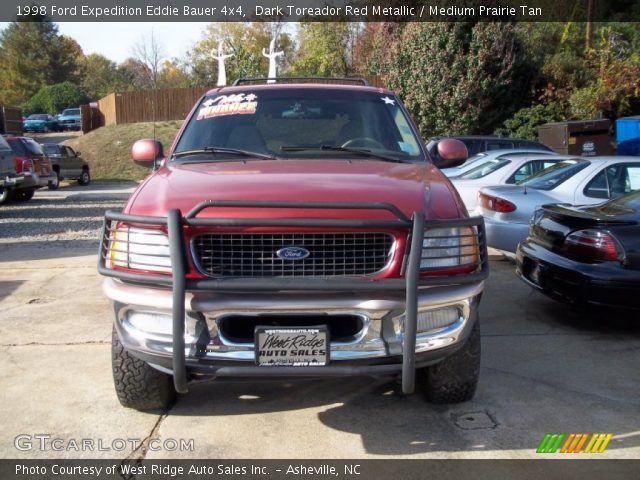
(70, 214)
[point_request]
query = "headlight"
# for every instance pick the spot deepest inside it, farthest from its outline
(449, 247)
(140, 249)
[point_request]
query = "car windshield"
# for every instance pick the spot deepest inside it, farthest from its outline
(551, 177)
(71, 111)
(51, 149)
(295, 122)
(485, 168)
(37, 116)
(33, 147)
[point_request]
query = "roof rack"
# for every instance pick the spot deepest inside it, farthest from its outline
(329, 80)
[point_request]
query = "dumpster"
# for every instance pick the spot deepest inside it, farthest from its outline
(585, 138)
(628, 135)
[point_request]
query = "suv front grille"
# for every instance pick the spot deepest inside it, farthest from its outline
(255, 254)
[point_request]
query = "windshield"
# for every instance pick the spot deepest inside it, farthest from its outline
(37, 116)
(51, 149)
(71, 111)
(551, 177)
(485, 168)
(295, 122)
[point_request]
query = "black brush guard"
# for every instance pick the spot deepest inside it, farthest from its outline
(174, 222)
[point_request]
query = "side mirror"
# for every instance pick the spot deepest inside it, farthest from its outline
(78, 154)
(452, 152)
(147, 153)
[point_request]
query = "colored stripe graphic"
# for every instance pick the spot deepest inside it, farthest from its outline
(574, 442)
(598, 442)
(551, 442)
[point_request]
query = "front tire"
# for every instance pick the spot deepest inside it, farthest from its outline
(24, 195)
(85, 178)
(138, 385)
(455, 378)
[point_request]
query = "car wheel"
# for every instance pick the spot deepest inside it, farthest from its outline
(24, 195)
(455, 378)
(46, 129)
(85, 178)
(5, 195)
(55, 183)
(138, 385)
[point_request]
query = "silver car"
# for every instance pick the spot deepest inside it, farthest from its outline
(503, 170)
(579, 181)
(482, 157)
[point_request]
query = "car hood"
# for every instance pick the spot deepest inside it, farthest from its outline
(35, 121)
(410, 187)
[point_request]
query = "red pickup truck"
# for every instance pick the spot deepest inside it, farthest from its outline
(294, 230)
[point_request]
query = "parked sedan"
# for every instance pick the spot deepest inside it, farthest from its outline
(67, 163)
(579, 181)
(503, 170)
(482, 157)
(585, 255)
(40, 122)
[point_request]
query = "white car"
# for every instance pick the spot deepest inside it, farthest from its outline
(579, 181)
(502, 170)
(475, 160)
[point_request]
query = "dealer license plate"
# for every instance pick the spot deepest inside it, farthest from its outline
(292, 346)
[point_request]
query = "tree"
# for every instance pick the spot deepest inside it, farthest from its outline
(173, 75)
(459, 77)
(325, 49)
(32, 55)
(245, 42)
(149, 51)
(100, 76)
(53, 99)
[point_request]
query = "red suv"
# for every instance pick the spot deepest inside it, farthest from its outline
(33, 168)
(294, 230)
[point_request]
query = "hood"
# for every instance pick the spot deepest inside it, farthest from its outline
(410, 187)
(35, 121)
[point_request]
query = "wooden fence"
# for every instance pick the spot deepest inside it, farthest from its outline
(149, 105)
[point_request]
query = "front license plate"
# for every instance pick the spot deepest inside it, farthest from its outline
(292, 347)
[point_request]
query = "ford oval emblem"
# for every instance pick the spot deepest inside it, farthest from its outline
(293, 253)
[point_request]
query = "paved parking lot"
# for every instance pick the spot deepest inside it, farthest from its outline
(546, 368)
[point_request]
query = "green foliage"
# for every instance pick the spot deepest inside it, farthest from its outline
(100, 76)
(525, 122)
(55, 98)
(325, 49)
(32, 55)
(459, 77)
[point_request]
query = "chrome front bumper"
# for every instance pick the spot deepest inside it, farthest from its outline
(382, 317)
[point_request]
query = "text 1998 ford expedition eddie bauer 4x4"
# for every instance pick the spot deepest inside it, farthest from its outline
(294, 230)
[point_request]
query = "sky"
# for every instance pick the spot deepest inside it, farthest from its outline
(115, 40)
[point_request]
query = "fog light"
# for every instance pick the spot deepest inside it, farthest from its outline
(437, 319)
(151, 322)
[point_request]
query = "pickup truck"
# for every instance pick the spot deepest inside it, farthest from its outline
(294, 230)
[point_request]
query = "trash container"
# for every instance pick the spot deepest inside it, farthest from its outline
(584, 138)
(628, 135)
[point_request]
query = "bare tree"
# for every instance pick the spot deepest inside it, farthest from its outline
(150, 52)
